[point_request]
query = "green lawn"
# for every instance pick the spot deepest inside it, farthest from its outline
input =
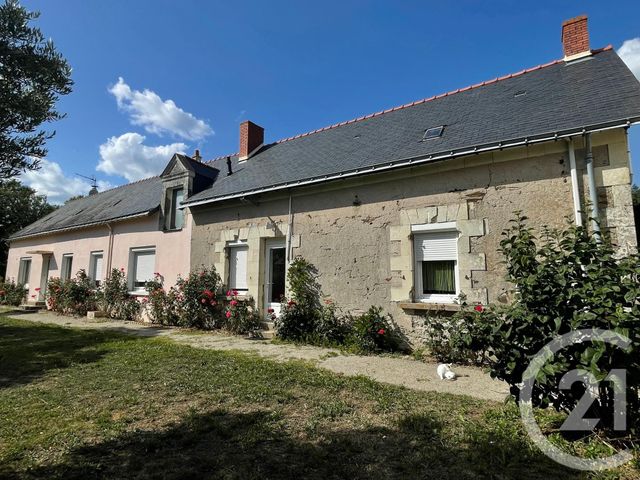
(84, 404)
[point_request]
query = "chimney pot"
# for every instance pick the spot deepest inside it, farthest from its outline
(196, 155)
(575, 38)
(251, 137)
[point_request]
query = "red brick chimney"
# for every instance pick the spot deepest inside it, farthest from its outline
(575, 38)
(251, 137)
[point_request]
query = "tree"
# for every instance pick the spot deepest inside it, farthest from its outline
(32, 77)
(19, 207)
(635, 195)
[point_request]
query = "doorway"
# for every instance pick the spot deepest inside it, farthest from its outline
(275, 271)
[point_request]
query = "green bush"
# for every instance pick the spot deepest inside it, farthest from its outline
(198, 306)
(76, 296)
(161, 306)
(114, 298)
(240, 316)
(373, 331)
(193, 302)
(565, 281)
(303, 319)
(461, 337)
(12, 293)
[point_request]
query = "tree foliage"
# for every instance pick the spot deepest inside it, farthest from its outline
(19, 207)
(33, 75)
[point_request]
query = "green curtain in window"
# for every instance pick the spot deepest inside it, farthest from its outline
(439, 277)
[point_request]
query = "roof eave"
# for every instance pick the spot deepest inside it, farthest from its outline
(84, 225)
(407, 162)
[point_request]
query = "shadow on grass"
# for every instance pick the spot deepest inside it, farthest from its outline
(256, 445)
(28, 351)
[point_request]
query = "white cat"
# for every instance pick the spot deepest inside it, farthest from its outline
(445, 372)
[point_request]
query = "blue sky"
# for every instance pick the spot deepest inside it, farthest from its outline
(152, 77)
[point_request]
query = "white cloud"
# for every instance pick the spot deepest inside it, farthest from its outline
(128, 157)
(51, 181)
(630, 53)
(148, 110)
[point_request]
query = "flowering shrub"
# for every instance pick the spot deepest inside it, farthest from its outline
(303, 318)
(114, 298)
(76, 296)
(12, 293)
(196, 301)
(373, 331)
(240, 316)
(161, 306)
(461, 337)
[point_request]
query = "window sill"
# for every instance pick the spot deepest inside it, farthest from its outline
(139, 293)
(168, 230)
(447, 307)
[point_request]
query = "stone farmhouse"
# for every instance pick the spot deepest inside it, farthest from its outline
(403, 208)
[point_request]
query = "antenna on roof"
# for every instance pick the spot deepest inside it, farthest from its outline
(94, 183)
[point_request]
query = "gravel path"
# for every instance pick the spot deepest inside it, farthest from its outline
(397, 371)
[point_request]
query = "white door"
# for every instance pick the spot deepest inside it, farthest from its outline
(44, 277)
(275, 271)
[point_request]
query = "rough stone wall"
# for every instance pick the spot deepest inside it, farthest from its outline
(357, 232)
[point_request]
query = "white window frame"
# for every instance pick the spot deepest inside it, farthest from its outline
(92, 267)
(22, 278)
(174, 211)
(66, 266)
(133, 260)
(238, 245)
(421, 230)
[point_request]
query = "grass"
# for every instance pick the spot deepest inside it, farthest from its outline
(77, 404)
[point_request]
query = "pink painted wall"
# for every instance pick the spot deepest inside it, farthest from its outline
(171, 260)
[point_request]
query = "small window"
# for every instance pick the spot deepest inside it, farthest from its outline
(176, 219)
(142, 268)
(238, 255)
(67, 267)
(436, 265)
(95, 268)
(434, 132)
(24, 271)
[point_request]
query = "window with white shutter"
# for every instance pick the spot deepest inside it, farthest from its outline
(238, 256)
(66, 270)
(436, 262)
(95, 268)
(143, 265)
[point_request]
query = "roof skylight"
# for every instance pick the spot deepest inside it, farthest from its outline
(433, 132)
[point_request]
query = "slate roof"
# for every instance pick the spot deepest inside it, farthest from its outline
(136, 198)
(586, 94)
(558, 97)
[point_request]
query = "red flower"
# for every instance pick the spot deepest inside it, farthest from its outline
(122, 269)
(33, 296)
(234, 303)
(228, 314)
(235, 293)
(381, 331)
(269, 310)
(145, 300)
(213, 303)
(291, 303)
(37, 289)
(478, 308)
(228, 293)
(204, 300)
(208, 293)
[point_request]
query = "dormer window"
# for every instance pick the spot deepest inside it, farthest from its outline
(176, 215)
